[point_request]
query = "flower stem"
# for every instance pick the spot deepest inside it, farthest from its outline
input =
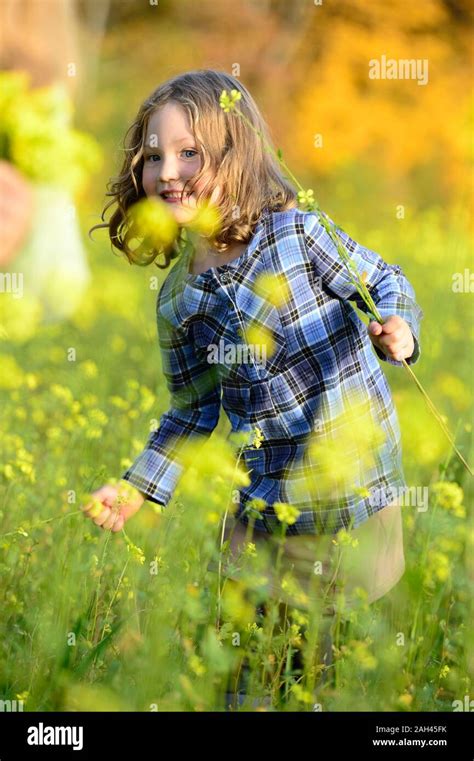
(312, 205)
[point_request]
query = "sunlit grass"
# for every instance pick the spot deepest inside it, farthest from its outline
(128, 621)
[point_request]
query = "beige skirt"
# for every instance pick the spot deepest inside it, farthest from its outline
(319, 570)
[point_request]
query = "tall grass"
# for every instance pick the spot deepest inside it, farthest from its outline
(134, 620)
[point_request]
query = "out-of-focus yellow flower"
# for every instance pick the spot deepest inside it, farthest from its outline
(262, 338)
(449, 496)
(62, 392)
(12, 375)
(340, 455)
(286, 513)
(302, 695)
(444, 671)
(437, 567)
(212, 518)
(136, 552)
(89, 368)
(94, 433)
(257, 503)
(291, 588)
(405, 700)
(8, 471)
(250, 550)
(148, 399)
(90, 400)
(150, 222)
(345, 539)
(273, 288)
(206, 220)
(215, 458)
(121, 404)
(362, 655)
(31, 381)
(98, 416)
(235, 605)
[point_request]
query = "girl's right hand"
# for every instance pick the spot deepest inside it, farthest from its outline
(111, 506)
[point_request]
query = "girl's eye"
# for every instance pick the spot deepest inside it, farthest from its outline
(153, 156)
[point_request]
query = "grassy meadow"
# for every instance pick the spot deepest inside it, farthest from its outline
(99, 621)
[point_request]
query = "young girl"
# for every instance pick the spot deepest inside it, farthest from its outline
(185, 148)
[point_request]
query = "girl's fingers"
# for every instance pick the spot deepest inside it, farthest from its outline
(375, 328)
(119, 524)
(111, 519)
(100, 519)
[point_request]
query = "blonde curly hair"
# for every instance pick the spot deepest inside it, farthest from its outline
(249, 174)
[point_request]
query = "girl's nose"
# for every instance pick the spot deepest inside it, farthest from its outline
(168, 171)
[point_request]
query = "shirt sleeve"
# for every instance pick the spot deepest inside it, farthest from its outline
(195, 391)
(392, 293)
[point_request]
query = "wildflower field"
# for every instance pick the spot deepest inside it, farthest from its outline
(134, 620)
(100, 621)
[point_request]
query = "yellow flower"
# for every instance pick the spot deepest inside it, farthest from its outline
(89, 368)
(12, 375)
(405, 700)
(306, 198)
(250, 550)
(444, 672)
(261, 337)
(345, 539)
(196, 665)
(286, 513)
(273, 288)
(150, 222)
(136, 553)
(8, 471)
(228, 102)
(362, 655)
(206, 220)
(259, 437)
(437, 568)
(213, 518)
(449, 496)
(302, 695)
(98, 416)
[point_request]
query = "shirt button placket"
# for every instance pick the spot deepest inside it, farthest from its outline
(225, 278)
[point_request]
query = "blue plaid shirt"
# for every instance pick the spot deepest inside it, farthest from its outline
(321, 353)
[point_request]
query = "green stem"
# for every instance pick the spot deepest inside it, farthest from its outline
(354, 276)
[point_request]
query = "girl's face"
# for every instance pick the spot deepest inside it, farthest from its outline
(171, 158)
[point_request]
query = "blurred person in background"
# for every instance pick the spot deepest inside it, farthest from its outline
(40, 233)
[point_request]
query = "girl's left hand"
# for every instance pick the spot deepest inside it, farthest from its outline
(394, 337)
